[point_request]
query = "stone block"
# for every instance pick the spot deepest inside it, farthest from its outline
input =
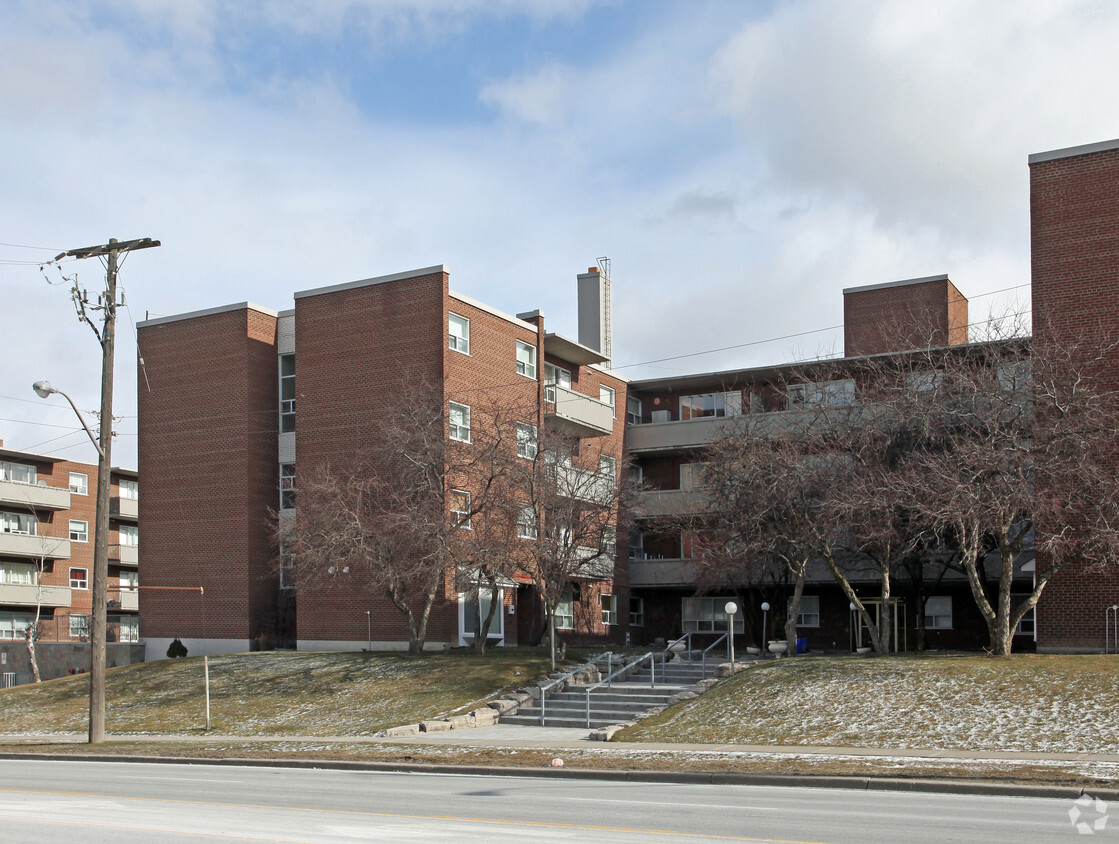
(405, 730)
(461, 722)
(484, 717)
(434, 726)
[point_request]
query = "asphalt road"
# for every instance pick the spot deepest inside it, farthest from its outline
(125, 802)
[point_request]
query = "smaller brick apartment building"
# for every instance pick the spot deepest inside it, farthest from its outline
(241, 401)
(47, 516)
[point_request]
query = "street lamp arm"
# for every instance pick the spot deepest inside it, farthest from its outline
(43, 389)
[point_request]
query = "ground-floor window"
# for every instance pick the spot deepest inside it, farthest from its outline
(472, 612)
(636, 612)
(707, 615)
(609, 609)
(1028, 625)
(938, 612)
(79, 626)
(129, 628)
(809, 613)
(14, 624)
(565, 610)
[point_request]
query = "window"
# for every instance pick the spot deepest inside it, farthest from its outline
(79, 578)
(458, 328)
(526, 360)
(472, 612)
(79, 483)
(710, 404)
(662, 416)
(526, 522)
(1028, 625)
(609, 609)
(706, 615)
(633, 410)
(637, 545)
(79, 626)
(526, 441)
(287, 569)
(17, 574)
(606, 396)
(691, 475)
(17, 473)
(821, 394)
(809, 615)
(287, 394)
(460, 508)
(14, 624)
(555, 376)
(129, 581)
(79, 531)
(610, 541)
(460, 422)
(287, 486)
(565, 610)
(938, 612)
(608, 468)
(17, 523)
(130, 490)
(129, 628)
(129, 536)
(636, 612)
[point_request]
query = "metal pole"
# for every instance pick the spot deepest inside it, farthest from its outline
(368, 633)
(206, 668)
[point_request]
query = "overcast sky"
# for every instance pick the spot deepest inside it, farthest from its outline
(739, 162)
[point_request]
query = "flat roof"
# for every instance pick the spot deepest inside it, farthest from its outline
(367, 282)
(1069, 152)
(572, 350)
(30, 455)
(902, 283)
(240, 306)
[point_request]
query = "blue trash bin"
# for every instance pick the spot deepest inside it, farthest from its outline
(802, 646)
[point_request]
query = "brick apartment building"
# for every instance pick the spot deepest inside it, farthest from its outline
(47, 515)
(241, 401)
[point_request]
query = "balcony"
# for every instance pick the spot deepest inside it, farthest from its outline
(127, 509)
(34, 496)
(579, 415)
(124, 555)
(126, 600)
(24, 545)
(654, 573)
(583, 485)
(671, 502)
(23, 595)
(600, 568)
(672, 436)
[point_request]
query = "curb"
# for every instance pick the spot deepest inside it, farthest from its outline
(681, 777)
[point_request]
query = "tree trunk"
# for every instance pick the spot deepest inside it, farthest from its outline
(794, 612)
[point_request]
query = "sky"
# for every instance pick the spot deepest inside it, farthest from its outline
(739, 163)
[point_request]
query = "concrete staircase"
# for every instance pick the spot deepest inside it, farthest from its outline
(623, 700)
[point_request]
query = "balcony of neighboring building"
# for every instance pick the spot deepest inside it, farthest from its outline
(671, 502)
(124, 508)
(124, 555)
(30, 595)
(125, 600)
(37, 496)
(649, 571)
(35, 546)
(671, 436)
(578, 415)
(582, 485)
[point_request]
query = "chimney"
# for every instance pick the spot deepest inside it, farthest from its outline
(594, 312)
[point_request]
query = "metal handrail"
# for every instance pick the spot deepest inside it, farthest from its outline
(608, 656)
(705, 650)
(609, 679)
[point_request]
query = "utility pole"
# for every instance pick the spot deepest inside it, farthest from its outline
(106, 335)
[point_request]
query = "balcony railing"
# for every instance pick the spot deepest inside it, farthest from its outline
(579, 415)
(127, 600)
(671, 502)
(28, 595)
(675, 572)
(583, 485)
(37, 496)
(124, 508)
(125, 555)
(31, 545)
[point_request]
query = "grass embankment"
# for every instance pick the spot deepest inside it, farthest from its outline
(276, 694)
(1026, 703)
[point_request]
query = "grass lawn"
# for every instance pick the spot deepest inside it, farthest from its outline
(277, 693)
(1044, 703)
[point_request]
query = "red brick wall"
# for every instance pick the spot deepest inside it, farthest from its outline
(208, 408)
(1074, 231)
(894, 318)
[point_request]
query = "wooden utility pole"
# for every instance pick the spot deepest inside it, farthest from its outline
(106, 335)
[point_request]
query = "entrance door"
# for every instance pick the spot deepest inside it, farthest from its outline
(898, 637)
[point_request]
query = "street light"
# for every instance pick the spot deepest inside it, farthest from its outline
(765, 618)
(368, 633)
(731, 608)
(98, 620)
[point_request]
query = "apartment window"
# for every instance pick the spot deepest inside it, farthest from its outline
(18, 473)
(609, 609)
(129, 581)
(565, 610)
(129, 536)
(79, 626)
(608, 467)
(809, 615)
(129, 628)
(526, 522)
(1028, 624)
(606, 395)
(526, 441)
(938, 612)
(79, 531)
(526, 360)
(637, 545)
(691, 475)
(710, 405)
(661, 416)
(17, 574)
(460, 422)
(79, 578)
(14, 624)
(129, 490)
(287, 394)
(633, 410)
(287, 569)
(636, 612)
(17, 523)
(460, 508)
(79, 483)
(458, 328)
(707, 615)
(610, 541)
(821, 394)
(555, 376)
(287, 486)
